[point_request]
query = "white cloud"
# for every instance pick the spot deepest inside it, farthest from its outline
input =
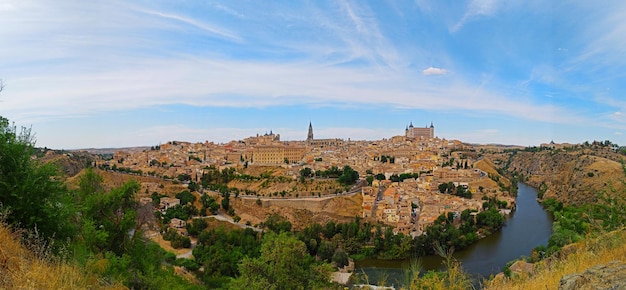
(434, 71)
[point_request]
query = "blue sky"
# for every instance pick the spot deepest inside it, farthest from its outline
(129, 73)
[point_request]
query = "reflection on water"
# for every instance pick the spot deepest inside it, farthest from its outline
(529, 227)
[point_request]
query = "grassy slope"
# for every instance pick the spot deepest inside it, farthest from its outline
(575, 258)
(21, 269)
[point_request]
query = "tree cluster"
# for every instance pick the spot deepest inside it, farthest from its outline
(450, 188)
(284, 263)
(220, 251)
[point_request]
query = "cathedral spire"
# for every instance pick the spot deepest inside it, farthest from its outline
(310, 135)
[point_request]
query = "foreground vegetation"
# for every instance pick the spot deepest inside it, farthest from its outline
(33, 266)
(89, 232)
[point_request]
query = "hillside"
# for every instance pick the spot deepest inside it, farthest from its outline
(590, 259)
(489, 167)
(300, 212)
(69, 163)
(21, 268)
(572, 177)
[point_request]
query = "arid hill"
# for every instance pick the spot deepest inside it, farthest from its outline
(574, 176)
(69, 163)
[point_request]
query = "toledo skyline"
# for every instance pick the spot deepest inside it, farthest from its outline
(130, 73)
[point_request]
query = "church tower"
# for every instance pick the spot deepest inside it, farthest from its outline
(309, 137)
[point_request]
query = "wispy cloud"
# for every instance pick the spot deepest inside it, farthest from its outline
(356, 25)
(209, 82)
(195, 23)
(228, 10)
(604, 36)
(476, 8)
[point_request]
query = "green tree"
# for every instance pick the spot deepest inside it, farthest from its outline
(90, 183)
(306, 172)
(209, 203)
(491, 219)
(196, 226)
(369, 180)
(340, 258)
(277, 223)
(110, 217)
(226, 201)
(349, 176)
(186, 197)
(284, 264)
(30, 192)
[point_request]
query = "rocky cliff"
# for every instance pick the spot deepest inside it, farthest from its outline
(573, 177)
(599, 277)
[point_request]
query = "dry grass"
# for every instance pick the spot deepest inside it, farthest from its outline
(20, 268)
(574, 259)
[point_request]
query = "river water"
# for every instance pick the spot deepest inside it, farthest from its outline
(529, 227)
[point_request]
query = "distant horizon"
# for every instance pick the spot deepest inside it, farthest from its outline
(304, 140)
(116, 74)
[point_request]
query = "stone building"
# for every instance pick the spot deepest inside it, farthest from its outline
(277, 154)
(420, 133)
(322, 143)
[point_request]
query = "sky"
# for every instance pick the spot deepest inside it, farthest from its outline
(96, 74)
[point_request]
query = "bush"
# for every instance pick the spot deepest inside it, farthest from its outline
(340, 258)
(169, 257)
(29, 191)
(189, 264)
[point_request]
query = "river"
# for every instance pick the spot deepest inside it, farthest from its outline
(529, 227)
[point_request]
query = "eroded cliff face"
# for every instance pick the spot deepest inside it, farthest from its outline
(572, 177)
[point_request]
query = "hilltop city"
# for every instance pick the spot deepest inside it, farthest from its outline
(401, 179)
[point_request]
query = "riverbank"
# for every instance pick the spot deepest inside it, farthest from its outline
(528, 227)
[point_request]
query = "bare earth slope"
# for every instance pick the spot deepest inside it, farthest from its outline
(570, 177)
(300, 212)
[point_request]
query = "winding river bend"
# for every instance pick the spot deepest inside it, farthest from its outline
(529, 227)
